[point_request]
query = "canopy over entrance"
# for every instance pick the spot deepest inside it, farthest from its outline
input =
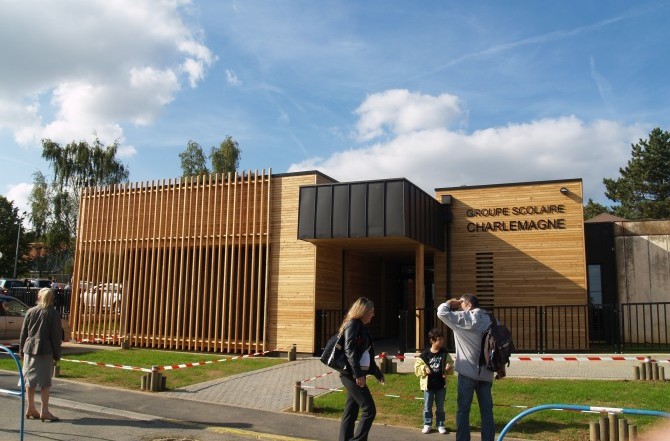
(368, 234)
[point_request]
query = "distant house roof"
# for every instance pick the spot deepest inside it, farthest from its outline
(604, 218)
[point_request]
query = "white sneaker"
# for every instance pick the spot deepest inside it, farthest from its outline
(426, 429)
(442, 430)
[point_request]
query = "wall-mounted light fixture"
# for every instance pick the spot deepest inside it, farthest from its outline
(564, 190)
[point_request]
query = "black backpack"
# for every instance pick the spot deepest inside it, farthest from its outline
(497, 347)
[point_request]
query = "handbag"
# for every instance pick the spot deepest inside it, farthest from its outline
(333, 354)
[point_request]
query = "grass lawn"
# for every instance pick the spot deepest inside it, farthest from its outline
(547, 425)
(145, 358)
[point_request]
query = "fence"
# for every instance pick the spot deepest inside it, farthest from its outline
(29, 297)
(629, 327)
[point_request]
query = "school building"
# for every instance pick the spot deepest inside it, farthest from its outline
(250, 262)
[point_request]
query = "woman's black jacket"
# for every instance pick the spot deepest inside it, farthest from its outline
(356, 339)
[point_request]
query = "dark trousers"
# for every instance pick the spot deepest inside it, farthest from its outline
(357, 398)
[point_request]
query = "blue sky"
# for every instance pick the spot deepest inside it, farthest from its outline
(441, 93)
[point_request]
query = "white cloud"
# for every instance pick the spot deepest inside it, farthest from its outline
(126, 151)
(21, 118)
(604, 87)
(99, 64)
(231, 78)
(195, 70)
(433, 156)
(19, 195)
(400, 111)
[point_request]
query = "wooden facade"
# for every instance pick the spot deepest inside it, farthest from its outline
(230, 263)
(181, 264)
(517, 245)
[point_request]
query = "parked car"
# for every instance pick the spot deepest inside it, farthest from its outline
(40, 283)
(7, 284)
(12, 312)
(104, 295)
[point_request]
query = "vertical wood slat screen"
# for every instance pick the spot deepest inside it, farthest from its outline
(182, 264)
(485, 279)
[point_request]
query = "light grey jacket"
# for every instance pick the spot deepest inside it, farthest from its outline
(468, 327)
(42, 332)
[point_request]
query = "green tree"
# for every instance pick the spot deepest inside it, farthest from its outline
(193, 161)
(225, 158)
(39, 204)
(55, 204)
(593, 209)
(40, 210)
(11, 230)
(643, 189)
(79, 165)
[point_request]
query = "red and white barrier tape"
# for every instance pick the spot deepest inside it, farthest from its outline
(96, 340)
(323, 388)
(318, 376)
(169, 367)
(408, 397)
(571, 358)
(392, 357)
(109, 365)
(587, 358)
(202, 363)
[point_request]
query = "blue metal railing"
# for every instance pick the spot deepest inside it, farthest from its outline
(579, 408)
(20, 393)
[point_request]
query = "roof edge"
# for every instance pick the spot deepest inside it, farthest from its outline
(508, 184)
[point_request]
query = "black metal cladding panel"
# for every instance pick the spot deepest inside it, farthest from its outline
(432, 209)
(376, 202)
(395, 208)
(408, 210)
(371, 209)
(341, 210)
(358, 211)
(425, 218)
(414, 213)
(324, 206)
(306, 213)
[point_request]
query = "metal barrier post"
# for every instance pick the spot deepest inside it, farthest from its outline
(22, 393)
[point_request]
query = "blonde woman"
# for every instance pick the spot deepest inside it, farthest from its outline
(360, 354)
(40, 346)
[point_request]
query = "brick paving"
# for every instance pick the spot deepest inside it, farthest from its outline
(268, 389)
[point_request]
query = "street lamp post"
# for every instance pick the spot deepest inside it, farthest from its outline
(18, 236)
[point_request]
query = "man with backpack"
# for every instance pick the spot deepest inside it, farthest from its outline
(469, 324)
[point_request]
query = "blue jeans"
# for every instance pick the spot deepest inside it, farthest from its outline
(466, 389)
(437, 396)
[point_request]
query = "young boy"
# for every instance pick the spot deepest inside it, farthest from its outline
(431, 367)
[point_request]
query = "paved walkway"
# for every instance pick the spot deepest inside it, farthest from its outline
(268, 389)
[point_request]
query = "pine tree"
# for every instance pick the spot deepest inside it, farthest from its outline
(643, 189)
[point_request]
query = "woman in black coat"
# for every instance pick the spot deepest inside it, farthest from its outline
(360, 354)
